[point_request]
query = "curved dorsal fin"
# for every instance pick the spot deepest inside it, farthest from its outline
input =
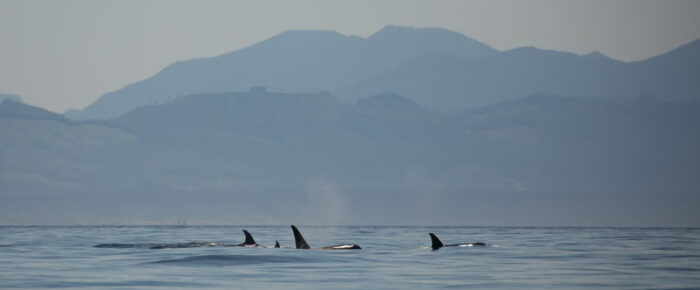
(299, 239)
(277, 244)
(248, 238)
(436, 242)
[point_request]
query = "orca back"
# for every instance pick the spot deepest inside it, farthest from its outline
(248, 239)
(299, 239)
(343, 247)
(436, 242)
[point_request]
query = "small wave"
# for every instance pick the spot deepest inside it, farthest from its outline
(189, 245)
(135, 283)
(227, 260)
(164, 246)
(123, 246)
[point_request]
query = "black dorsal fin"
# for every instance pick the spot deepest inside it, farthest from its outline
(299, 239)
(436, 242)
(277, 244)
(248, 238)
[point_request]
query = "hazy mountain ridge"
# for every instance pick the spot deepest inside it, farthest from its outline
(594, 143)
(13, 97)
(443, 82)
(13, 109)
(42, 150)
(304, 150)
(625, 147)
(317, 133)
(292, 61)
(437, 68)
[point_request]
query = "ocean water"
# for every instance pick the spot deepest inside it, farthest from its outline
(392, 257)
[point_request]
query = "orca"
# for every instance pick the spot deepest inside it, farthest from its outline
(249, 242)
(438, 244)
(278, 246)
(184, 245)
(301, 243)
(160, 246)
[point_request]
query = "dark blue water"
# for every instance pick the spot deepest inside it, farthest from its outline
(392, 257)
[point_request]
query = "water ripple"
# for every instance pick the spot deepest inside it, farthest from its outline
(233, 260)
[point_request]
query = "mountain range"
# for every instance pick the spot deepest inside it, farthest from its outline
(294, 61)
(10, 97)
(439, 69)
(314, 158)
(407, 126)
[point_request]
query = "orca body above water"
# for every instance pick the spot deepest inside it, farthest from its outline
(301, 243)
(249, 242)
(438, 244)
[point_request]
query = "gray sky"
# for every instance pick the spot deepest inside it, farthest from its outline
(65, 54)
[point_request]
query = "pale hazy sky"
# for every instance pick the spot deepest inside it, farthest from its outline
(65, 54)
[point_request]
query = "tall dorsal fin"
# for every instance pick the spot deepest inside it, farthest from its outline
(277, 244)
(436, 242)
(248, 238)
(299, 239)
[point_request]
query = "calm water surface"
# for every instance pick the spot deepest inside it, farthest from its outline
(392, 257)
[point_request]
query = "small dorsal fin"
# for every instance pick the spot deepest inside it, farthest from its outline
(436, 242)
(248, 238)
(277, 244)
(299, 239)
